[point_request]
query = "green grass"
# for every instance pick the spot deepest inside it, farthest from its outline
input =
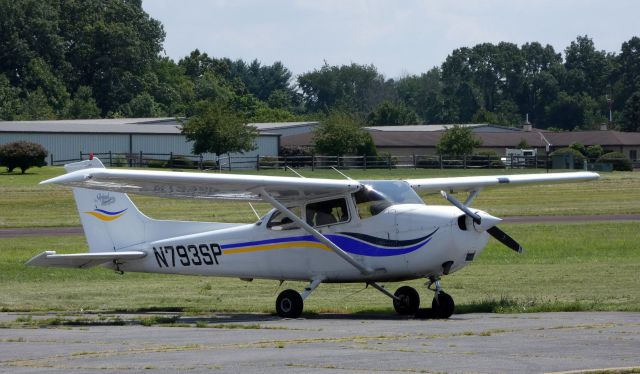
(567, 267)
(27, 204)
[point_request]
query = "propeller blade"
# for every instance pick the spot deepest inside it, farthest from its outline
(476, 218)
(505, 239)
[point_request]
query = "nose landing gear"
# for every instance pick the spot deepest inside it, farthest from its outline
(406, 301)
(442, 306)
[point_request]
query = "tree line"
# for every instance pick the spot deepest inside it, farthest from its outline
(102, 59)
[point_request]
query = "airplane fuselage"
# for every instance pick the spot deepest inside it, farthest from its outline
(405, 241)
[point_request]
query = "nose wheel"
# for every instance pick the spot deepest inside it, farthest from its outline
(442, 306)
(406, 301)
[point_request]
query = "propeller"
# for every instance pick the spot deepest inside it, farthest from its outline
(486, 222)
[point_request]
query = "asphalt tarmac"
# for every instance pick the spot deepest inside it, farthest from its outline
(260, 343)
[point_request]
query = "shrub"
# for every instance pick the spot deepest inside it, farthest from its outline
(181, 162)
(209, 164)
(23, 155)
(157, 164)
(619, 161)
(119, 161)
(578, 157)
(485, 158)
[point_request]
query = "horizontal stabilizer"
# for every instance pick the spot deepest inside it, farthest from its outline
(82, 260)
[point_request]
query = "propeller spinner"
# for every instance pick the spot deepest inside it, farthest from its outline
(485, 222)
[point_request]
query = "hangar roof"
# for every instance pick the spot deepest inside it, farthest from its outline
(429, 139)
(166, 125)
(476, 127)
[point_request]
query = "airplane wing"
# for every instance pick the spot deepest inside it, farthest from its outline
(82, 260)
(205, 185)
(456, 184)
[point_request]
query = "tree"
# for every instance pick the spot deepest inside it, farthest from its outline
(83, 105)
(457, 141)
(631, 114)
(594, 151)
(36, 107)
(218, 129)
(341, 134)
(587, 68)
(423, 94)
(627, 71)
(142, 106)
(353, 88)
(10, 104)
(23, 155)
(392, 114)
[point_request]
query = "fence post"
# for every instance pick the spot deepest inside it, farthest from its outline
(229, 157)
(80, 155)
(51, 159)
(258, 162)
(140, 158)
(110, 160)
(313, 162)
(170, 160)
(201, 163)
(364, 163)
(415, 165)
(441, 166)
(464, 161)
(285, 163)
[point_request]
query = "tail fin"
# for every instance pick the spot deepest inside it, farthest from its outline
(110, 220)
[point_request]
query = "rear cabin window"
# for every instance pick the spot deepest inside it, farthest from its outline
(327, 212)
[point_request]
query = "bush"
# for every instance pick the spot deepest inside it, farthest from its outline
(578, 157)
(619, 161)
(23, 155)
(485, 158)
(209, 164)
(157, 164)
(181, 162)
(119, 161)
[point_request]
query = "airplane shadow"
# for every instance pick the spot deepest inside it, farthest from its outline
(222, 318)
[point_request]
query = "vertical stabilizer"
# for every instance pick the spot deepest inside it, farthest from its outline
(110, 220)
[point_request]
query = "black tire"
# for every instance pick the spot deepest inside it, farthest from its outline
(442, 306)
(289, 304)
(409, 303)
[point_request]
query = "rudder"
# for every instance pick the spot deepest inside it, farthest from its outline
(110, 220)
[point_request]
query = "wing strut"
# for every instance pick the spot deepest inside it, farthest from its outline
(315, 233)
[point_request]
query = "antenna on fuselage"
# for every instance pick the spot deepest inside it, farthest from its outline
(341, 173)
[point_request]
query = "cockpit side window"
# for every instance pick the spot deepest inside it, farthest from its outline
(327, 212)
(370, 202)
(279, 221)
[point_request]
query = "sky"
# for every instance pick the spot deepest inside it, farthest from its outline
(399, 37)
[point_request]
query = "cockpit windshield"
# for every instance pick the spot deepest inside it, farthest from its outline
(396, 192)
(379, 195)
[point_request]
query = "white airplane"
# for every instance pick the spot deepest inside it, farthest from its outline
(320, 230)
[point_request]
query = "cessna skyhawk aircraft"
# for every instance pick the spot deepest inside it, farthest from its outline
(319, 230)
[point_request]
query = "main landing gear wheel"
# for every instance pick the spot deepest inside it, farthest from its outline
(289, 304)
(442, 305)
(409, 301)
